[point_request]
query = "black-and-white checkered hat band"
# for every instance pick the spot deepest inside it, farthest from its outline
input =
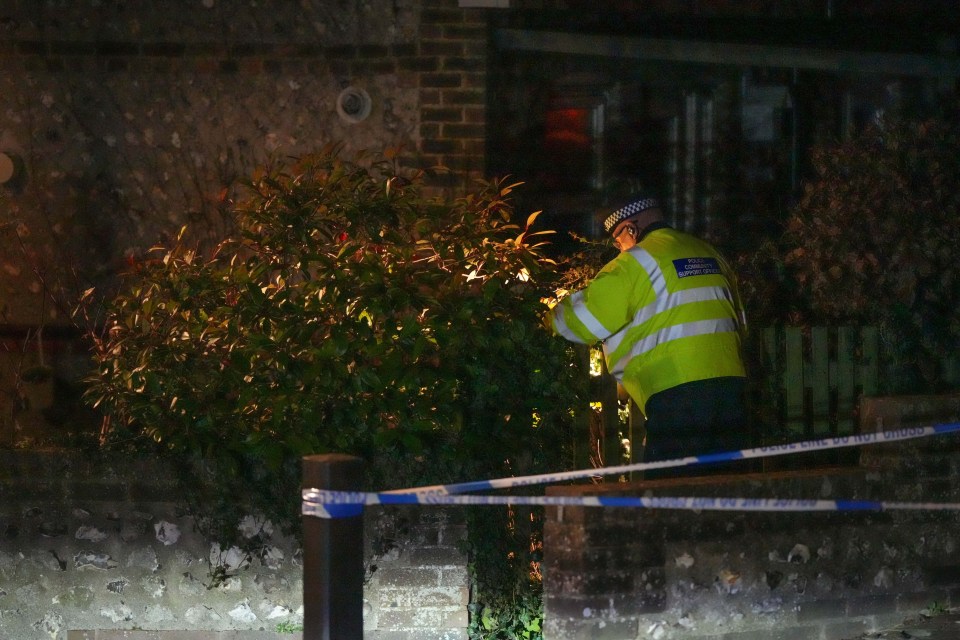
(625, 212)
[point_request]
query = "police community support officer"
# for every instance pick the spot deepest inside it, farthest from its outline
(667, 312)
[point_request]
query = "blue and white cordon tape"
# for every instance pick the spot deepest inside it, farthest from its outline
(343, 504)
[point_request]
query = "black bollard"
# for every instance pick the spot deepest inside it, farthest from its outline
(333, 554)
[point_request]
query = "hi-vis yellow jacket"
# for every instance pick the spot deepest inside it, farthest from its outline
(667, 312)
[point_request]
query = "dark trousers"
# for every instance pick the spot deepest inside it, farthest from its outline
(707, 416)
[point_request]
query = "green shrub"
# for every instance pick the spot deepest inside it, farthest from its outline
(873, 241)
(506, 573)
(347, 313)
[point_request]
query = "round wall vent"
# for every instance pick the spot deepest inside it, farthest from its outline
(13, 173)
(7, 168)
(353, 104)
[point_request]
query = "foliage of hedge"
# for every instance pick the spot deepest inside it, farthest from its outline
(874, 240)
(347, 313)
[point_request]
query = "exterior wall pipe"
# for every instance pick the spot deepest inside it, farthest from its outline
(333, 554)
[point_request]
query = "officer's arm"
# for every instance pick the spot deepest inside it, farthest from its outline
(600, 309)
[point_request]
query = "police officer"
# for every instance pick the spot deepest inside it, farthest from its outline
(667, 312)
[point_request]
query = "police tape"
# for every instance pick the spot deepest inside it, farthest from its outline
(894, 435)
(340, 504)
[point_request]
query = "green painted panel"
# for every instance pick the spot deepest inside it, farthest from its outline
(770, 358)
(793, 381)
(818, 380)
(844, 381)
(870, 361)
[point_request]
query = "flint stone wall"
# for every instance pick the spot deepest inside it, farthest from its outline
(670, 574)
(129, 120)
(101, 544)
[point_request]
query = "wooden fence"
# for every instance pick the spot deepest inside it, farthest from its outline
(809, 379)
(806, 384)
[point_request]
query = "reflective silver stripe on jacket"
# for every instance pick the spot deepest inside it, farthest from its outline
(588, 319)
(580, 310)
(662, 302)
(685, 330)
(652, 267)
(670, 301)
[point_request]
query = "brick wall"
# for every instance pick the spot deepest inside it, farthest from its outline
(453, 90)
(417, 586)
(628, 573)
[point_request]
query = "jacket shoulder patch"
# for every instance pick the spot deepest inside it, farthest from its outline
(687, 267)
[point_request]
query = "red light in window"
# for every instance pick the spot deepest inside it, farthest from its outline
(567, 127)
